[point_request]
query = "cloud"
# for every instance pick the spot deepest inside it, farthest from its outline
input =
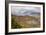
(23, 11)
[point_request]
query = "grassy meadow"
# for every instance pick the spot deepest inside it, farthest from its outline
(25, 22)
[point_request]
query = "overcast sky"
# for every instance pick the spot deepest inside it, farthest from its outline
(24, 10)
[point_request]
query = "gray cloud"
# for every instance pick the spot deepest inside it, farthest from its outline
(23, 11)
